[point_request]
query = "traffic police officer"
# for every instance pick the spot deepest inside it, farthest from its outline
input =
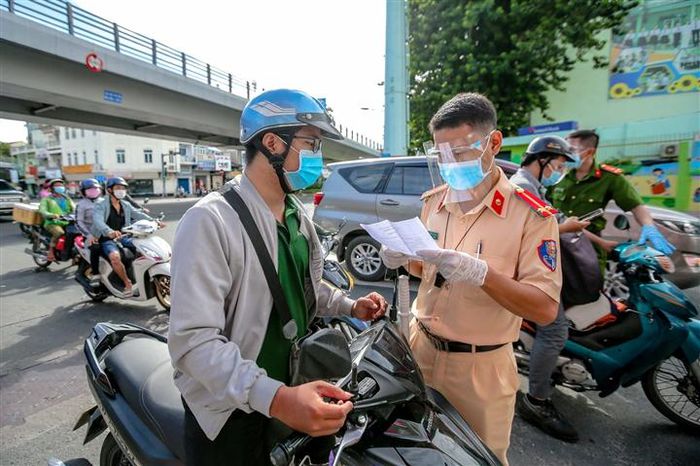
(591, 186)
(498, 263)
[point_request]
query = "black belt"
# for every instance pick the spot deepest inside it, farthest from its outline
(455, 346)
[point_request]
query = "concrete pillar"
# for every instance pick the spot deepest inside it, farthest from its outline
(396, 79)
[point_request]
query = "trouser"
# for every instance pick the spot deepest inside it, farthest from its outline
(481, 386)
(56, 231)
(95, 250)
(245, 440)
(549, 341)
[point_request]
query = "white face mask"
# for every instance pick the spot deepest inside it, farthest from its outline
(119, 193)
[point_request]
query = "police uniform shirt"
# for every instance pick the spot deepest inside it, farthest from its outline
(574, 197)
(519, 237)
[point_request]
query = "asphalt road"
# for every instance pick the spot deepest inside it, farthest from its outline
(45, 316)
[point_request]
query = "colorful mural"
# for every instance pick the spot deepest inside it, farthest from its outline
(658, 179)
(658, 52)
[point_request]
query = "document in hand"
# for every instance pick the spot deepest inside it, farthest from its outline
(407, 236)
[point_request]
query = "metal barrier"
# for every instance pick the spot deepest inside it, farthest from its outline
(68, 18)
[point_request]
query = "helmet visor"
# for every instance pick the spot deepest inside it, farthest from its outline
(322, 121)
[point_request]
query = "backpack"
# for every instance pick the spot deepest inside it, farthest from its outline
(582, 278)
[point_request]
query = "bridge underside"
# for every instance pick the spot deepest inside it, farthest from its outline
(43, 78)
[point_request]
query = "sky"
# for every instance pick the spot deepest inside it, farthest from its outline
(329, 48)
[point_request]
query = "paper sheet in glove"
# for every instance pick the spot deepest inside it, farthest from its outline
(407, 236)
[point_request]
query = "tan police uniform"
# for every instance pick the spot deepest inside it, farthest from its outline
(517, 236)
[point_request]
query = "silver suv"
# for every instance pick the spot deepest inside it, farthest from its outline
(370, 190)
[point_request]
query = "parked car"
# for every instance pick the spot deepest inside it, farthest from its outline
(370, 190)
(8, 196)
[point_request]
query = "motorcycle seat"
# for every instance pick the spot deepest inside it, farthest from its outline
(143, 373)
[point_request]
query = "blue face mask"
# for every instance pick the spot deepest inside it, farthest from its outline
(576, 164)
(59, 189)
(553, 178)
(463, 175)
(310, 168)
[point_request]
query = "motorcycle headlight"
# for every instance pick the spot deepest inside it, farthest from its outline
(688, 227)
(665, 263)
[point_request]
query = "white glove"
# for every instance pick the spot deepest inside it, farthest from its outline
(456, 266)
(393, 259)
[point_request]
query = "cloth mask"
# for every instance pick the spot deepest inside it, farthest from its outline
(93, 193)
(119, 194)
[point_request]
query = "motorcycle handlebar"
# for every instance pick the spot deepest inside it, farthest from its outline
(283, 453)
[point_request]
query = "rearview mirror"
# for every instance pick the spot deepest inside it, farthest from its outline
(322, 356)
(621, 222)
(145, 201)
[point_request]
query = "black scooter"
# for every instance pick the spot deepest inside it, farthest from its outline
(396, 420)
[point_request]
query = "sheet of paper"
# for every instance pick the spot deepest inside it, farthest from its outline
(385, 233)
(407, 236)
(415, 235)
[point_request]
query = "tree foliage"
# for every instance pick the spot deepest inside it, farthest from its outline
(4, 149)
(511, 51)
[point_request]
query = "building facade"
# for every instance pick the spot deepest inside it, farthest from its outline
(151, 166)
(645, 105)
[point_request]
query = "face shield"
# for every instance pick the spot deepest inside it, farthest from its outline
(461, 164)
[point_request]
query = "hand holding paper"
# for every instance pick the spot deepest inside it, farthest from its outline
(393, 259)
(457, 266)
(407, 236)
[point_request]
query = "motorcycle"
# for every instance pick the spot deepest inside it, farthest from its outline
(333, 272)
(397, 419)
(66, 248)
(653, 336)
(148, 269)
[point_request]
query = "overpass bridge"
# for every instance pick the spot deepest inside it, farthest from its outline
(66, 66)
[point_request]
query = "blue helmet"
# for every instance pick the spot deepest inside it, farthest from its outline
(285, 108)
(117, 181)
(89, 183)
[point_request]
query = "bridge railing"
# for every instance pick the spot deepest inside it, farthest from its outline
(73, 20)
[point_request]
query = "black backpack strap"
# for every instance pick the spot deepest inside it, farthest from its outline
(289, 325)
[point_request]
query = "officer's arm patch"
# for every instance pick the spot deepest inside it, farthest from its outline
(611, 169)
(538, 205)
(547, 252)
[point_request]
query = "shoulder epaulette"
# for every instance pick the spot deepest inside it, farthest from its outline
(538, 205)
(611, 169)
(433, 191)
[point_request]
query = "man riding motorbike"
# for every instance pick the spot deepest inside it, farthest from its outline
(111, 214)
(228, 343)
(52, 208)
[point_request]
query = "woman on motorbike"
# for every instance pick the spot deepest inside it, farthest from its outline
(91, 191)
(52, 208)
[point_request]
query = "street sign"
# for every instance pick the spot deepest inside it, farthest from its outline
(222, 163)
(93, 62)
(52, 173)
(113, 96)
(549, 128)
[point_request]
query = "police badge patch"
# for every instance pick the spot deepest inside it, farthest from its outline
(547, 252)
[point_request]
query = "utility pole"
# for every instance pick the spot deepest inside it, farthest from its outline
(164, 168)
(396, 79)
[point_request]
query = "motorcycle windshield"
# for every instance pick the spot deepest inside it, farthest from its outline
(383, 345)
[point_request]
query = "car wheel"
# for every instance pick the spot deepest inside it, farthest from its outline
(362, 259)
